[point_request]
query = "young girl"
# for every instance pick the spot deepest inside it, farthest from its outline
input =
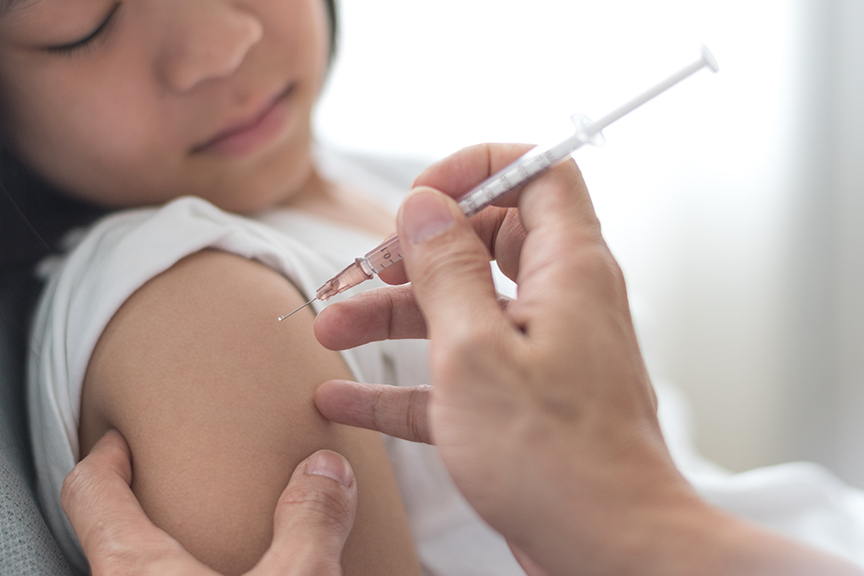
(188, 123)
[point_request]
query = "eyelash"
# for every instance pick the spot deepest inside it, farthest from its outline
(87, 43)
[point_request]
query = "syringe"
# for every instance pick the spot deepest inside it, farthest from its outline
(526, 168)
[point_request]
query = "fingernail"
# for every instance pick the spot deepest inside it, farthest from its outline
(331, 465)
(425, 214)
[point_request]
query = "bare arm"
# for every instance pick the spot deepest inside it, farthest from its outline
(216, 401)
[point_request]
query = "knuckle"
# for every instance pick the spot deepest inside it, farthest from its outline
(109, 554)
(415, 415)
(138, 558)
(596, 264)
(315, 505)
(378, 417)
(451, 353)
(112, 558)
(77, 484)
(448, 259)
(467, 344)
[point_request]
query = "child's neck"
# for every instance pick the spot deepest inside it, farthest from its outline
(343, 205)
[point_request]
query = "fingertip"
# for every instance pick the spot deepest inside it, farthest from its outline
(313, 517)
(345, 402)
(325, 395)
(327, 326)
(112, 440)
(394, 275)
(348, 323)
(113, 452)
(331, 465)
(424, 214)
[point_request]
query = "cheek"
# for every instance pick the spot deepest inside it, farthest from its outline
(303, 29)
(92, 133)
(107, 130)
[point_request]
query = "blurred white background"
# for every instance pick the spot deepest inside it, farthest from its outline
(733, 202)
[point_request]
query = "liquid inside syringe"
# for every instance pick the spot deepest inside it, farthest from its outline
(526, 168)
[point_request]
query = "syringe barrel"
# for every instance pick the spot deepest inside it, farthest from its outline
(526, 168)
(520, 172)
(382, 256)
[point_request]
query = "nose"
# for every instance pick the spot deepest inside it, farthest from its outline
(207, 39)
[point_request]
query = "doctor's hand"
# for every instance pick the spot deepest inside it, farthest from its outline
(313, 518)
(541, 408)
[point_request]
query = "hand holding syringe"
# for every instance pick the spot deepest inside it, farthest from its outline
(523, 170)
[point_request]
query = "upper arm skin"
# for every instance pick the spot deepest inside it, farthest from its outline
(215, 398)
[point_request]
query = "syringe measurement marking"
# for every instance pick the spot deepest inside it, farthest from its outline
(387, 255)
(524, 171)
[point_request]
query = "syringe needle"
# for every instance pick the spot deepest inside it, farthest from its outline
(297, 310)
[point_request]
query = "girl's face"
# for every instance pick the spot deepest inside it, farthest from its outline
(136, 102)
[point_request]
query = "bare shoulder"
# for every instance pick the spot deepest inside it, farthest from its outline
(208, 324)
(215, 398)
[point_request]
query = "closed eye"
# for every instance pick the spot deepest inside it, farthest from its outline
(86, 42)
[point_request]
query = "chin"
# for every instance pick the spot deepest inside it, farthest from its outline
(265, 189)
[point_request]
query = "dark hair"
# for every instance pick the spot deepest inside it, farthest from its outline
(35, 216)
(334, 26)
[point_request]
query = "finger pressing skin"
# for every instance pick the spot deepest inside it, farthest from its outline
(313, 519)
(116, 535)
(381, 314)
(530, 567)
(395, 411)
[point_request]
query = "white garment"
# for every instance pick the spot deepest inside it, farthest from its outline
(800, 499)
(123, 251)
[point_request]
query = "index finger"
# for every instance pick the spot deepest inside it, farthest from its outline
(395, 411)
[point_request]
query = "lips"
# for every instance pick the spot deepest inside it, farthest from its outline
(247, 135)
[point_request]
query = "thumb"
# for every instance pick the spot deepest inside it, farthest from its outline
(448, 266)
(530, 567)
(314, 516)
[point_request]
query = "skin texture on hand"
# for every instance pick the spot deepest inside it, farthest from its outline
(542, 409)
(505, 379)
(313, 518)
